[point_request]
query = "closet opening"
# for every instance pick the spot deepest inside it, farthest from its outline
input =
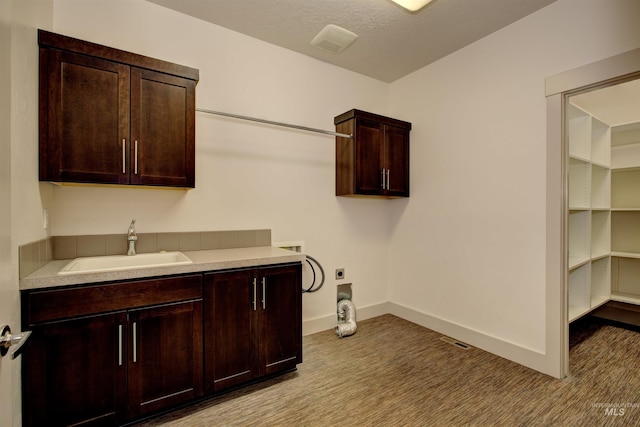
(602, 141)
(594, 130)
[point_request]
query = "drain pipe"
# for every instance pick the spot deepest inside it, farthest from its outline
(346, 318)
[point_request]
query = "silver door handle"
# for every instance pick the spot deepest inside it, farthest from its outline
(135, 165)
(124, 155)
(264, 293)
(135, 342)
(7, 340)
(388, 179)
(383, 186)
(119, 345)
(255, 296)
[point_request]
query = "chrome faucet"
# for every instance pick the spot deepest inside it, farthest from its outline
(131, 238)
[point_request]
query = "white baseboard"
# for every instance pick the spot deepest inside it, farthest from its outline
(511, 351)
(508, 350)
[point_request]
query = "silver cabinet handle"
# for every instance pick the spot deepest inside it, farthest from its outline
(264, 293)
(124, 155)
(135, 342)
(254, 294)
(388, 179)
(383, 178)
(135, 145)
(119, 345)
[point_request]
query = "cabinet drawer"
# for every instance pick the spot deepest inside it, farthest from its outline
(48, 305)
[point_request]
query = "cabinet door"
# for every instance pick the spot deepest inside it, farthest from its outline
(229, 317)
(162, 129)
(396, 148)
(280, 314)
(165, 356)
(369, 157)
(84, 118)
(74, 372)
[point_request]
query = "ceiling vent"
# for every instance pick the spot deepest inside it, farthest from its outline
(334, 39)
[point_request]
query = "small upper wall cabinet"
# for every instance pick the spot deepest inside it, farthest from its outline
(375, 161)
(112, 117)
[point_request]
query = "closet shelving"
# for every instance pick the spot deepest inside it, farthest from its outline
(604, 212)
(625, 213)
(589, 216)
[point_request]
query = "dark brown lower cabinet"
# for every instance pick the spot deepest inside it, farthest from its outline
(228, 326)
(252, 324)
(73, 373)
(165, 359)
(108, 353)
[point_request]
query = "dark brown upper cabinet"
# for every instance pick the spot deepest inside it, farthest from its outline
(112, 117)
(375, 161)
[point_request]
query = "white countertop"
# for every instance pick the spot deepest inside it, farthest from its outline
(209, 260)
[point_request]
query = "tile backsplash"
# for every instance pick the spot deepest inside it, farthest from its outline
(36, 254)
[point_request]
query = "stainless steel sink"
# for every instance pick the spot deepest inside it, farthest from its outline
(123, 262)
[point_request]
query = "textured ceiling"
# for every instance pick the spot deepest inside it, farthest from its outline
(391, 41)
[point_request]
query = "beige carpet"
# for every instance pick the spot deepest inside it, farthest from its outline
(395, 373)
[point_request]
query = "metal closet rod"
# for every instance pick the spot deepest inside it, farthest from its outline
(271, 122)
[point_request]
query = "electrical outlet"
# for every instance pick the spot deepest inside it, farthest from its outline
(339, 273)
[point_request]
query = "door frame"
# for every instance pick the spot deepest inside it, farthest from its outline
(609, 71)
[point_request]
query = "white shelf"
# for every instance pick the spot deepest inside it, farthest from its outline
(590, 217)
(625, 150)
(626, 298)
(600, 233)
(579, 291)
(577, 312)
(575, 262)
(625, 231)
(600, 187)
(600, 143)
(579, 184)
(626, 254)
(579, 132)
(579, 232)
(600, 281)
(625, 215)
(625, 185)
(630, 168)
(625, 156)
(597, 301)
(625, 277)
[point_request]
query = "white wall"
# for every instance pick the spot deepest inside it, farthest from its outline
(468, 253)
(8, 289)
(247, 175)
(21, 198)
